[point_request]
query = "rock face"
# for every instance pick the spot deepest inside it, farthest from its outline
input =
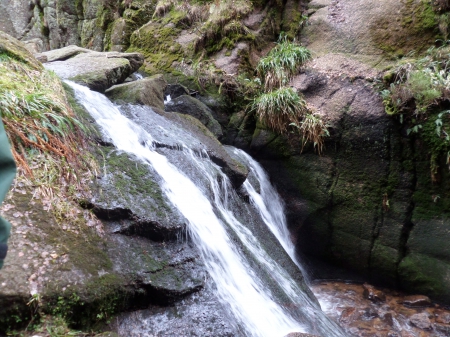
(98, 71)
(368, 203)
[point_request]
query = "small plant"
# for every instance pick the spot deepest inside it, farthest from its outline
(313, 130)
(418, 92)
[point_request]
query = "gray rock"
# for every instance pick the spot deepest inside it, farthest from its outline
(148, 91)
(98, 71)
(416, 301)
(64, 53)
(17, 49)
(442, 328)
(182, 128)
(421, 321)
(175, 90)
(373, 294)
(129, 198)
(190, 106)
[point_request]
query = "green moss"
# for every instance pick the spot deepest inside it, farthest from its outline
(421, 274)
(414, 29)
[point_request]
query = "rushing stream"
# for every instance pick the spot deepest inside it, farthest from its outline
(204, 196)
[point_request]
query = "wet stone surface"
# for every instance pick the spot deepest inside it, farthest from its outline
(364, 310)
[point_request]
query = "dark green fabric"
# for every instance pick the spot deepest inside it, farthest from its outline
(7, 173)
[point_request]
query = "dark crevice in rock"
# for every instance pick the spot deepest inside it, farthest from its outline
(159, 145)
(150, 229)
(123, 221)
(408, 225)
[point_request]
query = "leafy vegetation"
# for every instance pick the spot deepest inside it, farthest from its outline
(418, 91)
(279, 108)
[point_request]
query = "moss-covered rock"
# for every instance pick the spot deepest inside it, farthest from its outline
(148, 91)
(15, 49)
(191, 106)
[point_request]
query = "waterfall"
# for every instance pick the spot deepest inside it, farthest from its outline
(270, 206)
(203, 195)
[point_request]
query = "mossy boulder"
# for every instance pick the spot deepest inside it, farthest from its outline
(148, 91)
(191, 106)
(17, 50)
(129, 197)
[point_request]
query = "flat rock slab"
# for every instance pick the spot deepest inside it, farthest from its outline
(417, 301)
(62, 53)
(96, 70)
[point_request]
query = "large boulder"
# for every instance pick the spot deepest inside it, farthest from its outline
(97, 70)
(17, 49)
(191, 106)
(148, 91)
(185, 129)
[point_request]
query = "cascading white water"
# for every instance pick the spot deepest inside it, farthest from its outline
(270, 206)
(237, 284)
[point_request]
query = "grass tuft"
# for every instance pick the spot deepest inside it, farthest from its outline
(280, 108)
(46, 138)
(313, 130)
(282, 62)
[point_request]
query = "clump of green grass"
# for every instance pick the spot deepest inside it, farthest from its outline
(35, 113)
(280, 108)
(282, 62)
(46, 138)
(418, 93)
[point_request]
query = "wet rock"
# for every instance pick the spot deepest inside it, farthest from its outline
(348, 315)
(148, 91)
(442, 317)
(179, 128)
(130, 199)
(199, 314)
(373, 294)
(175, 90)
(368, 314)
(416, 301)
(421, 321)
(191, 106)
(97, 70)
(388, 319)
(443, 328)
(300, 334)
